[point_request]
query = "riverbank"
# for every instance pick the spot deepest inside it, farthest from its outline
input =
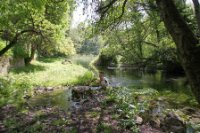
(47, 72)
(97, 113)
(40, 98)
(100, 111)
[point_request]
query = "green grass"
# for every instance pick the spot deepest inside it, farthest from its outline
(51, 73)
(45, 72)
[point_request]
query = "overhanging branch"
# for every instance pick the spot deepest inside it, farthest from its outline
(15, 39)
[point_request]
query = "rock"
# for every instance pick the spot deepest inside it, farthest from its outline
(104, 82)
(155, 122)
(80, 89)
(146, 128)
(27, 97)
(177, 129)
(172, 123)
(138, 120)
(172, 119)
(79, 92)
(4, 65)
(132, 106)
(50, 89)
(188, 110)
(195, 120)
(41, 90)
(2, 128)
(66, 61)
(95, 88)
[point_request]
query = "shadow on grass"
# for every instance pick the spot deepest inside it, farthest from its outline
(49, 60)
(28, 69)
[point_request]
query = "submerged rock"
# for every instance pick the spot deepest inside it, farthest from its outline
(40, 89)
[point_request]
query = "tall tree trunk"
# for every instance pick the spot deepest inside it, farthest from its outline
(186, 43)
(29, 59)
(197, 12)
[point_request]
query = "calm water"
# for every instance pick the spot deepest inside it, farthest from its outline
(125, 78)
(139, 79)
(60, 98)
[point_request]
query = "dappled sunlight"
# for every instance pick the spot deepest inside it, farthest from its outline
(31, 68)
(99, 66)
(50, 74)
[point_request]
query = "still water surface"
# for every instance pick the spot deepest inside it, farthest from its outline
(132, 79)
(158, 80)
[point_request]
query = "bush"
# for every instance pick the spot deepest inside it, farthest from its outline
(106, 60)
(13, 90)
(86, 79)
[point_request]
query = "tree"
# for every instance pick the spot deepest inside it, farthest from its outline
(197, 12)
(137, 36)
(187, 43)
(84, 41)
(46, 20)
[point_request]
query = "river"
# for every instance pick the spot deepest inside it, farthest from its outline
(158, 80)
(132, 79)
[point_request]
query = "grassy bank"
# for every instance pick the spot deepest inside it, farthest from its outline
(45, 72)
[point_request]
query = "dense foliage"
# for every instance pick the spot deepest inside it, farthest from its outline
(179, 20)
(84, 42)
(136, 34)
(36, 25)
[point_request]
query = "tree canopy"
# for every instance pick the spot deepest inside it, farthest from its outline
(37, 23)
(150, 29)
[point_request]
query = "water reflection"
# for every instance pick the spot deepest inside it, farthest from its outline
(131, 79)
(60, 98)
(158, 80)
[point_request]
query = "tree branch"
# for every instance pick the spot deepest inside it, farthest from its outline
(103, 10)
(15, 39)
(151, 44)
(123, 9)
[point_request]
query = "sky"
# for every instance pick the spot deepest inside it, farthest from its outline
(79, 16)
